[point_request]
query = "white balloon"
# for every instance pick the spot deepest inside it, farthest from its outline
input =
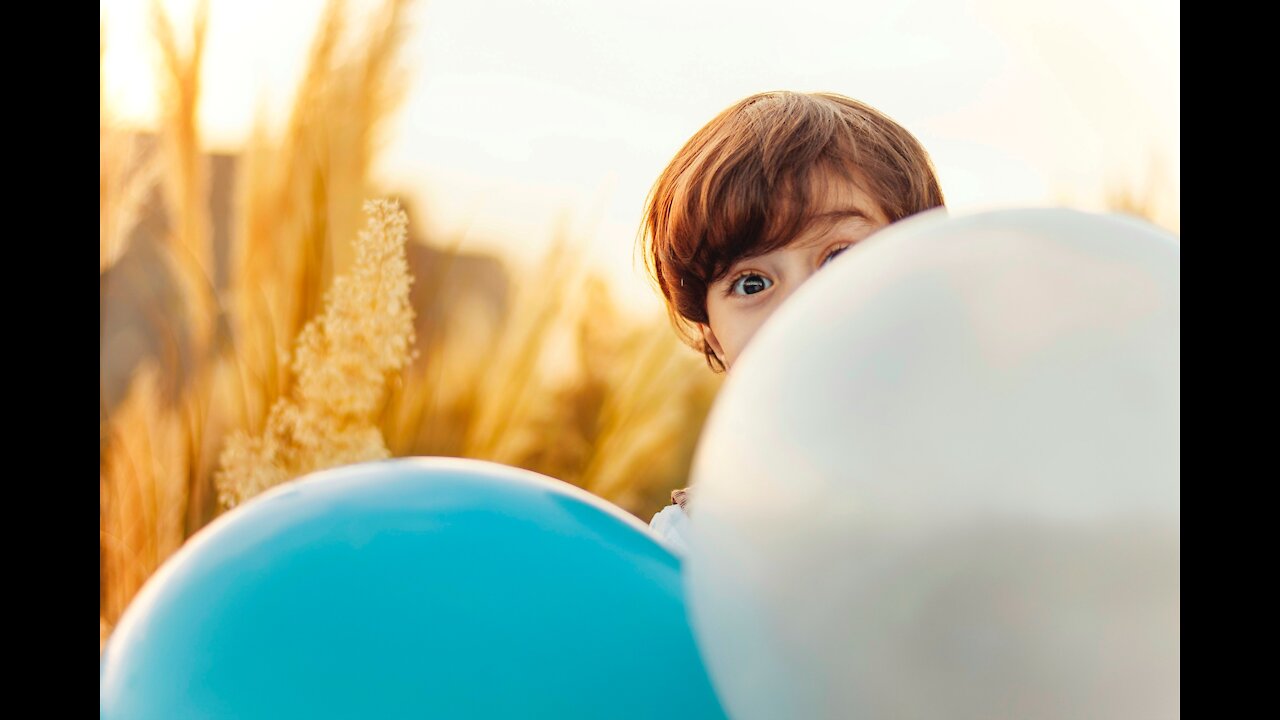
(943, 480)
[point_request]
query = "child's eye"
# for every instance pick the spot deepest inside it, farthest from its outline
(750, 284)
(834, 253)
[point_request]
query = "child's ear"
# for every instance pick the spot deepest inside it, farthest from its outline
(709, 336)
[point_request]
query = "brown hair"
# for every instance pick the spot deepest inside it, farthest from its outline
(744, 185)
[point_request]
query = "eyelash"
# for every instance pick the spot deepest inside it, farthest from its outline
(729, 291)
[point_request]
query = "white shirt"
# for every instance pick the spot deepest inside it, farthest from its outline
(672, 526)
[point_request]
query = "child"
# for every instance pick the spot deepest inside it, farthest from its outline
(756, 202)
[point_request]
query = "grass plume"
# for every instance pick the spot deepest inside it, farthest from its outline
(343, 361)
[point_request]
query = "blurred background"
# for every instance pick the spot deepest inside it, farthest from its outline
(240, 139)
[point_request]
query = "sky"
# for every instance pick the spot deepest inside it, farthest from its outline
(526, 115)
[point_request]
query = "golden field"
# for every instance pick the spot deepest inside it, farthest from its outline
(316, 332)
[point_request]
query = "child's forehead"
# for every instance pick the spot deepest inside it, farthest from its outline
(836, 191)
(832, 199)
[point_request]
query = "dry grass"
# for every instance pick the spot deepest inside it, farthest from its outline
(1150, 195)
(560, 385)
(142, 492)
(343, 361)
(301, 194)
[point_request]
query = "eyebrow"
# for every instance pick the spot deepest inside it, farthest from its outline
(833, 215)
(846, 212)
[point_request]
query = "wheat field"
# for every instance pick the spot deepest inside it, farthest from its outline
(316, 348)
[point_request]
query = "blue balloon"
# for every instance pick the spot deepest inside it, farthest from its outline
(418, 587)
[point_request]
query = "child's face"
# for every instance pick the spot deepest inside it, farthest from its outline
(739, 302)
